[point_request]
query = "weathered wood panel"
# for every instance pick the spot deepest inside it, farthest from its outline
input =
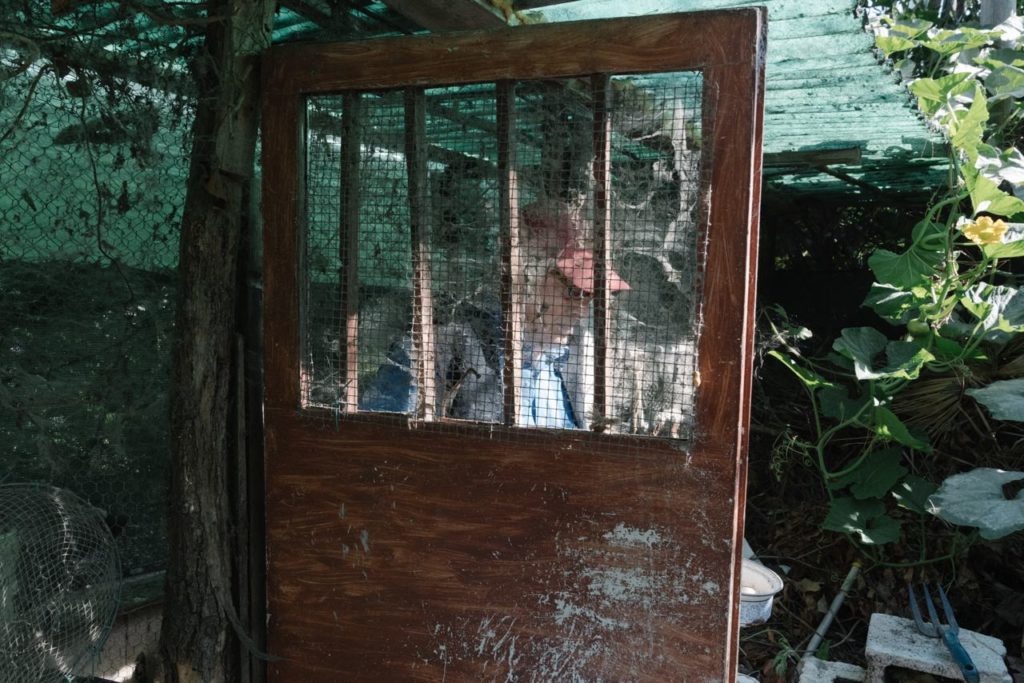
(444, 557)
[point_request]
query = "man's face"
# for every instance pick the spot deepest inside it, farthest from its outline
(558, 308)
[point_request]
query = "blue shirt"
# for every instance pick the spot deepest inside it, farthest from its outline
(544, 399)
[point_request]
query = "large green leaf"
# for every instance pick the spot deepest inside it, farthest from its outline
(875, 476)
(976, 498)
(863, 345)
(1004, 399)
(836, 404)
(915, 265)
(1001, 57)
(866, 518)
(889, 45)
(948, 43)
(1006, 81)
(908, 28)
(986, 196)
(1000, 310)
(903, 270)
(912, 493)
(967, 127)
(1013, 249)
(932, 93)
(894, 304)
(905, 359)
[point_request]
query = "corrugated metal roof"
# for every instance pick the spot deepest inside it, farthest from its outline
(827, 99)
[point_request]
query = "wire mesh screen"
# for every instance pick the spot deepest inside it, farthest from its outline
(383, 260)
(460, 268)
(60, 583)
(94, 170)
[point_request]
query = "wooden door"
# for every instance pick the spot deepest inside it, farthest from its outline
(410, 181)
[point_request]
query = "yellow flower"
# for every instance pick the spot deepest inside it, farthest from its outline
(985, 230)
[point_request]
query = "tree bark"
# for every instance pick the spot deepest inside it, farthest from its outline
(198, 640)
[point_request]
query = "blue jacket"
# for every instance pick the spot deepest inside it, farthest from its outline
(468, 376)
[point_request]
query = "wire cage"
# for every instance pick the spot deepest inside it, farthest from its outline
(60, 584)
(357, 187)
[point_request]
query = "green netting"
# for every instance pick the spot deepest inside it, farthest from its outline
(94, 166)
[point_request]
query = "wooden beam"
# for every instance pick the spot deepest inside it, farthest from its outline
(511, 259)
(520, 5)
(603, 361)
(440, 16)
(419, 227)
(349, 243)
(847, 178)
(814, 158)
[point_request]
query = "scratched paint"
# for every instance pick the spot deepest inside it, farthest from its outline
(364, 540)
(623, 535)
(602, 612)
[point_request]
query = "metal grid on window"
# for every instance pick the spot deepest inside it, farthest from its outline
(382, 260)
(586, 300)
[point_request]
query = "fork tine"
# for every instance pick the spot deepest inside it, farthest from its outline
(931, 608)
(915, 611)
(954, 628)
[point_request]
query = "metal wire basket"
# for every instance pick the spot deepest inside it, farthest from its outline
(60, 580)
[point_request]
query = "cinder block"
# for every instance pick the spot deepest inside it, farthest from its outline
(814, 670)
(895, 641)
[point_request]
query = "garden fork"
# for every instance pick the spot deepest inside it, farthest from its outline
(947, 634)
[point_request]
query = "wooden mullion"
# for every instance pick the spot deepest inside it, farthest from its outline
(734, 104)
(511, 258)
(419, 225)
(299, 225)
(603, 362)
(349, 247)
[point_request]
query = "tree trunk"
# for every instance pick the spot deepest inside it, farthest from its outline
(198, 640)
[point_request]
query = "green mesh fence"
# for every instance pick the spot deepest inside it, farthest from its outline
(94, 163)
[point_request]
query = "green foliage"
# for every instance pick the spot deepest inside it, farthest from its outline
(876, 475)
(912, 493)
(956, 307)
(865, 518)
(916, 264)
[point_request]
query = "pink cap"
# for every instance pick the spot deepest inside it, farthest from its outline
(577, 265)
